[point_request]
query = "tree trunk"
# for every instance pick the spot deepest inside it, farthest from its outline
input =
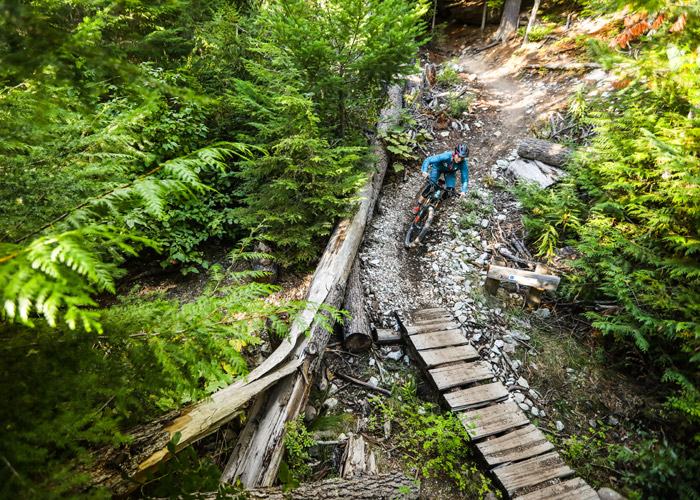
(484, 15)
(531, 22)
(356, 331)
(544, 151)
(509, 20)
(354, 459)
(265, 265)
(149, 441)
(369, 487)
(259, 451)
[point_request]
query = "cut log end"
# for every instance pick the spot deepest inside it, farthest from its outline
(358, 342)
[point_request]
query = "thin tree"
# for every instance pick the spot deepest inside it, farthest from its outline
(531, 22)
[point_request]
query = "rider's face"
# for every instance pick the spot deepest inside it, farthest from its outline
(457, 158)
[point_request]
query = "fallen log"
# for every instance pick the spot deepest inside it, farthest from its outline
(113, 467)
(544, 151)
(370, 487)
(356, 330)
(149, 441)
(564, 66)
(257, 455)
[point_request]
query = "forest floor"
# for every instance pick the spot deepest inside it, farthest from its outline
(584, 406)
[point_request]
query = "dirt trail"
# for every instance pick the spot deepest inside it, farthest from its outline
(401, 280)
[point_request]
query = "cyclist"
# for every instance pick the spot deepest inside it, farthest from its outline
(447, 164)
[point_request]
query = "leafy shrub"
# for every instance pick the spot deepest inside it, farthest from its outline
(537, 33)
(456, 106)
(297, 442)
(447, 75)
(433, 442)
(631, 211)
(151, 356)
(658, 467)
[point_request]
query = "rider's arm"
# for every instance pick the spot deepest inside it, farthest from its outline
(431, 160)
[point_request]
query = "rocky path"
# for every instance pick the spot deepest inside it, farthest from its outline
(448, 270)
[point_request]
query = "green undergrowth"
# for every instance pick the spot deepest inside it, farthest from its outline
(434, 443)
(67, 391)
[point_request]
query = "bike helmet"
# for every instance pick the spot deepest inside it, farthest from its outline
(462, 150)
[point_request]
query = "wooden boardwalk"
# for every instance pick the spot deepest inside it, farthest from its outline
(520, 457)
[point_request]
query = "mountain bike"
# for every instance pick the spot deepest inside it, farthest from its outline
(426, 212)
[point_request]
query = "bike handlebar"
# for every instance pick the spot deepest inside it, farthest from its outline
(450, 191)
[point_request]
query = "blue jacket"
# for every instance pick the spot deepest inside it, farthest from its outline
(443, 162)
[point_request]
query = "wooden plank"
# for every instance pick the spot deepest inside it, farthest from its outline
(493, 419)
(445, 318)
(517, 445)
(446, 355)
(447, 377)
(388, 336)
(475, 396)
(432, 327)
(573, 489)
(532, 472)
(430, 313)
(527, 278)
(433, 340)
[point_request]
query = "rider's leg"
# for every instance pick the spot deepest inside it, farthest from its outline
(450, 182)
(434, 174)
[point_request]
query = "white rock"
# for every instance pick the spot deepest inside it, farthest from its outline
(330, 403)
(523, 382)
(596, 75)
(407, 360)
(497, 133)
(395, 355)
(533, 394)
(484, 223)
(535, 412)
(543, 313)
(371, 362)
(559, 426)
(444, 134)
(333, 389)
(519, 397)
(524, 407)
(499, 343)
(373, 381)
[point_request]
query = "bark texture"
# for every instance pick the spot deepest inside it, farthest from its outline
(369, 487)
(509, 20)
(544, 151)
(356, 330)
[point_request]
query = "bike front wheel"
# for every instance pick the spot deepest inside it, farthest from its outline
(419, 227)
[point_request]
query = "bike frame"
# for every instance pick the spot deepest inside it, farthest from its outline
(434, 198)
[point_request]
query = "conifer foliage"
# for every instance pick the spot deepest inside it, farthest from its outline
(634, 216)
(152, 130)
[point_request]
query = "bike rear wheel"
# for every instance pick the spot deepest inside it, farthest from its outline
(419, 227)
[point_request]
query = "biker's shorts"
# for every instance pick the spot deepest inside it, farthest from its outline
(450, 177)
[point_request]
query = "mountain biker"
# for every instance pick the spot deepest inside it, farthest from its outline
(447, 164)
